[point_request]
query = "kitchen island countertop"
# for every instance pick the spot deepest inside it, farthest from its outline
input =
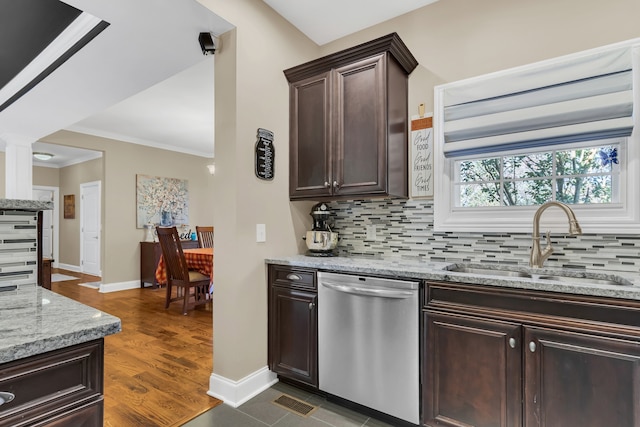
(428, 270)
(34, 320)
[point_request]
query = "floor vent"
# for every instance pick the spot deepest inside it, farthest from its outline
(294, 405)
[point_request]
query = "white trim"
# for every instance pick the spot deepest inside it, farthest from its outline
(119, 286)
(140, 141)
(75, 268)
(71, 35)
(235, 393)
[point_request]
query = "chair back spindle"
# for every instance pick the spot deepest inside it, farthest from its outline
(205, 236)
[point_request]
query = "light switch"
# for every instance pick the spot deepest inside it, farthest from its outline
(261, 233)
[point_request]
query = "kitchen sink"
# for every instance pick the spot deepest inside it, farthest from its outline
(576, 278)
(489, 271)
(588, 280)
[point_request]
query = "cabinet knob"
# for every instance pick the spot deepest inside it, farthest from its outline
(326, 184)
(311, 305)
(292, 276)
(512, 342)
(336, 185)
(6, 397)
(532, 347)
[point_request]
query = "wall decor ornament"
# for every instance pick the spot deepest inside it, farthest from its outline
(265, 155)
(161, 201)
(421, 155)
(70, 206)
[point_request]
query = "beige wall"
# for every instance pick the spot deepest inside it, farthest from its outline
(121, 162)
(49, 177)
(452, 39)
(251, 92)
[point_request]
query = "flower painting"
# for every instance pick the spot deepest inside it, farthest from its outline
(161, 201)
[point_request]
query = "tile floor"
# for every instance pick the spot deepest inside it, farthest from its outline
(260, 412)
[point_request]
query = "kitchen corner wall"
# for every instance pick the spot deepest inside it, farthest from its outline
(404, 230)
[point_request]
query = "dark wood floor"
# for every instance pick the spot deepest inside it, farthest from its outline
(157, 369)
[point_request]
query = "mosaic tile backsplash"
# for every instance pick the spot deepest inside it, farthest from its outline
(404, 229)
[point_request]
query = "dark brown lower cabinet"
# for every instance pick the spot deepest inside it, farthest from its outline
(513, 358)
(471, 372)
(576, 379)
(58, 388)
(293, 328)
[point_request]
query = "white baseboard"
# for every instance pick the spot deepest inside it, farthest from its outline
(235, 393)
(120, 286)
(70, 267)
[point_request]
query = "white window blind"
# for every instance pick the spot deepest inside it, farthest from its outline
(581, 98)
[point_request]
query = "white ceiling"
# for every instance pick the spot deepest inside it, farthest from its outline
(155, 88)
(327, 20)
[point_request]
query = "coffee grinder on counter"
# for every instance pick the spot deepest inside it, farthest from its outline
(321, 241)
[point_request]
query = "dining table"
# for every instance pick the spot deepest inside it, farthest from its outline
(199, 259)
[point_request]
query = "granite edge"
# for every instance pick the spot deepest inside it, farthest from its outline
(441, 271)
(25, 205)
(21, 351)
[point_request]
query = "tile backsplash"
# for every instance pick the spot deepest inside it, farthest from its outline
(404, 229)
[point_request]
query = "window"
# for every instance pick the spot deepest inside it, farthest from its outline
(562, 130)
(582, 175)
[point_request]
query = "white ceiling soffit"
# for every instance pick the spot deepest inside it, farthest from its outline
(135, 52)
(175, 114)
(62, 155)
(328, 20)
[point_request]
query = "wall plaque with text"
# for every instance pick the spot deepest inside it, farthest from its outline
(265, 155)
(421, 161)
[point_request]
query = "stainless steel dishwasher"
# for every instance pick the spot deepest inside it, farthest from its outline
(368, 343)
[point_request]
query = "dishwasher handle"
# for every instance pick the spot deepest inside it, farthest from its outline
(372, 292)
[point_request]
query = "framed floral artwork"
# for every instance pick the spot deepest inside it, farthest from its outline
(161, 201)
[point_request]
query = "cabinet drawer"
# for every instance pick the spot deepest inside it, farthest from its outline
(293, 277)
(47, 385)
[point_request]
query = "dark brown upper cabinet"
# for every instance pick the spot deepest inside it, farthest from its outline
(348, 123)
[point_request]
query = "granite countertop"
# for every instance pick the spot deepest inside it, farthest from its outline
(25, 205)
(630, 289)
(34, 320)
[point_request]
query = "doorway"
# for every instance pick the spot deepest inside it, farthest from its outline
(50, 221)
(90, 236)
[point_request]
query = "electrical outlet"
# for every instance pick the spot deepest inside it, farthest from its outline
(261, 233)
(371, 232)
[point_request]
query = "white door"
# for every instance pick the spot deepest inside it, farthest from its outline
(49, 221)
(90, 208)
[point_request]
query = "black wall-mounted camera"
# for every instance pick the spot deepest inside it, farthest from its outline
(207, 43)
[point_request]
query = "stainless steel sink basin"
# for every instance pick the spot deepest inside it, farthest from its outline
(587, 280)
(489, 271)
(578, 278)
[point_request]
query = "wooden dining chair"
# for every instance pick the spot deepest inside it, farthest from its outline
(189, 284)
(205, 236)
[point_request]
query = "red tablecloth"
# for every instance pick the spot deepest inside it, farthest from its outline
(200, 259)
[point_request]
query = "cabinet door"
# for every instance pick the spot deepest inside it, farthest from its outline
(471, 372)
(360, 158)
(581, 380)
(310, 129)
(293, 334)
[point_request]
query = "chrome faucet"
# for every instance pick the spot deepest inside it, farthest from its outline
(538, 255)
